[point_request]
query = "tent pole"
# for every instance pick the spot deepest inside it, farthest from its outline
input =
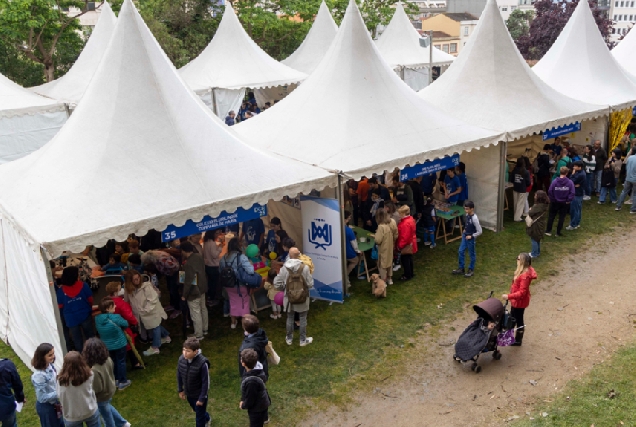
(214, 106)
(343, 261)
(56, 308)
(401, 74)
(430, 57)
(503, 149)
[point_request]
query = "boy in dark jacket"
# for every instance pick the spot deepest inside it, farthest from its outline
(256, 339)
(193, 380)
(254, 396)
(608, 184)
(576, 206)
(11, 391)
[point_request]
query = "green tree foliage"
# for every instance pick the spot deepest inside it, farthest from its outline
(40, 31)
(15, 66)
(519, 23)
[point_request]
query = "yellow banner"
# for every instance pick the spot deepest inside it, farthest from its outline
(619, 120)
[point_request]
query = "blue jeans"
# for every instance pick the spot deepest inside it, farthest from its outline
(85, 328)
(156, 334)
(536, 248)
(629, 186)
(429, 235)
(604, 191)
(470, 245)
(10, 421)
(576, 209)
(589, 179)
(109, 414)
(598, 174)
(119, 363)
(92, 421)
(48, 415)
(202, 415)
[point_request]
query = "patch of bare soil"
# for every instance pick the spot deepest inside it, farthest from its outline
(575, 320)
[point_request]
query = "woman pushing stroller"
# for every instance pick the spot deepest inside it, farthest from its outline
(519, 295)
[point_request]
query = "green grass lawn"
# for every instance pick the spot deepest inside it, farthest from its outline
(355, 344)
(605, 397)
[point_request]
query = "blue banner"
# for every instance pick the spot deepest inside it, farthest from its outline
(634, 111)
(209, 223)
(561, 130)
(429, 167)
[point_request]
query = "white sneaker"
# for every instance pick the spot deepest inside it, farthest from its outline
(570, 228)
(279, 316)
(233, 326)
(151, 351)
(127, 424)
(226, 314)
(389, 282)
(427, 243)
(396, 267)
(628, 202)
(308, 341)
(166, 340)
(587, 198)
(288, 341)
(273, 316)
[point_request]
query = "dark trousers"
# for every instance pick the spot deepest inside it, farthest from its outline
(119, 363)
(214, 293)
(82, 332)
(517, 313)
(173, 290)
(544, 183)
(48, 415)
(561, 209)
(257, 419)
(201, 412)
(407, 265)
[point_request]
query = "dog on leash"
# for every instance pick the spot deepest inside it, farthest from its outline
(378, 286)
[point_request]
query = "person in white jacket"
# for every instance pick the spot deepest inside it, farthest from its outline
(295, 264)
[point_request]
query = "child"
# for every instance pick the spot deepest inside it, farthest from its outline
(109, 327)
(133, 249)
(472, 230)
(75, 391)
(193, 380)
(271, 294)
(608, 184)
(429, 220)
(134, 263)
(114, 266)
(43, 379)
(254, 396)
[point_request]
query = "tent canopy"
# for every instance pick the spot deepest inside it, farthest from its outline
(17, 101)
(624, 52)
(141, 151)
(490, 84)
(580, 65)
(233, 60)
(399, 44)
(70, 87)
(354, 114)
(316, 44)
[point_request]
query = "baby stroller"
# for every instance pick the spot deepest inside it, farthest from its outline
(479, 338)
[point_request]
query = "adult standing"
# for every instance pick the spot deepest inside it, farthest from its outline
(11, 391)
(351, 248)
(239, 294)
(167, 263)
(75, 389)
(630, 181)
(385, 238)
(601, 157)
(253, 232)
(563, 162)
(212, 248)
(403, 194)
(75, 300)
(520, 179)
(538, 218)
(352, 190)
(590, 167)
(230, 118)
(561, 194)
(44, 380)
(363, 197)
(195, 286)
(543, 163)
(576, 207)
(292, 268)
(472, 230)
(407, 241)
(519, 295)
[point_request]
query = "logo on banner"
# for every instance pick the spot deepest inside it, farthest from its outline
(320, 235)
(260, 210)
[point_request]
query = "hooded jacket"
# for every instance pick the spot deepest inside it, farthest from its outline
(109, 327)
(406, 233)
(76, 303)
(104, 381)
(257, 342)
(280, 282)
(11, 389)
(519, 295)
(539, 215)
(254, 392)
(561, 190)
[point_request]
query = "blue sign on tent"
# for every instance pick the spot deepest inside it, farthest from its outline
(634, 111)
(429, 167)
(561, 130)
(209, 223)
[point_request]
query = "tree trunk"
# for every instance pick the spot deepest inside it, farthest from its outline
(49, 70)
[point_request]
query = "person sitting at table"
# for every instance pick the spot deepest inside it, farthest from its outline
(114, 266)
(120, 248)
(352, 250)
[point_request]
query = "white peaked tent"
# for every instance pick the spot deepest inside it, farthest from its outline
(624, 52)
(70, 87)
(491, 85)
(580, 65)
(400, 46)
(354, 114)
(232, 62)
(316, 44)
(148, 151)
(27, 120)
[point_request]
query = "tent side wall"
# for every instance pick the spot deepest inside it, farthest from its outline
(26, 310)
(21, 135)
(483, 171)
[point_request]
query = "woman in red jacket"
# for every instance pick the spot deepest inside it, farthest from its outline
(124, 310)
(519, 295)
(406, 237)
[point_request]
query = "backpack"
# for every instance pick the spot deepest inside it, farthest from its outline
(227, 277)
(167, 264)
(297, 290)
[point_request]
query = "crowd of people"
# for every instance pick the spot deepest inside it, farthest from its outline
(249, 109)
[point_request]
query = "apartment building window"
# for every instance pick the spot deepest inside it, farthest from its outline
(632, 4)
(513, 8)
(615, 18)
(613, 30)
(624, 17)
(445, 48)
(631, 17)
(622, 3)
(465, 31)
(438, 46)
(90, 5)
(453, 48)
(504, 9)
(620, 17)
(616, 4)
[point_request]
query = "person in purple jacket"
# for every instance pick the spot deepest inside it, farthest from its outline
(561, 193)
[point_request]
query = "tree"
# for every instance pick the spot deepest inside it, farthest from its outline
(41, 30)
(374, 12)
(519, 23)
(16, 67)
(623, 35)
(551, 17)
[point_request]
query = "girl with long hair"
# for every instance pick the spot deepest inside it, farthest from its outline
(44, 379)
(75, 390)
(519, 295)
(239, 296)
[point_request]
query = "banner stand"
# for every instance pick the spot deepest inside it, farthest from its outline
(343, 249)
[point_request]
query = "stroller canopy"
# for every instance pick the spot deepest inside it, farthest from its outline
(491, 309)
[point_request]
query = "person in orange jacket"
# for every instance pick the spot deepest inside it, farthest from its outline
(519, 295)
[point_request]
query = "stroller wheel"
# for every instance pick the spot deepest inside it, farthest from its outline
(477, 369)
(496, 355)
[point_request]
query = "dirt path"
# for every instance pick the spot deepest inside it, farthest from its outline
(575, 320)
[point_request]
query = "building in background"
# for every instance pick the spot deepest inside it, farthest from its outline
(429, 8)
(447, 30)
(466, 29)
(623, 14)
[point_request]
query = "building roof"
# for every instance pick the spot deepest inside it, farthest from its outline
(461, 16)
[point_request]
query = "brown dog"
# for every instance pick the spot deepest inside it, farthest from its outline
(378, 286)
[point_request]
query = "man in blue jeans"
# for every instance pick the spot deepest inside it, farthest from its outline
(576, 206)
(11, 391)
(472, 230)
(630, 181)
